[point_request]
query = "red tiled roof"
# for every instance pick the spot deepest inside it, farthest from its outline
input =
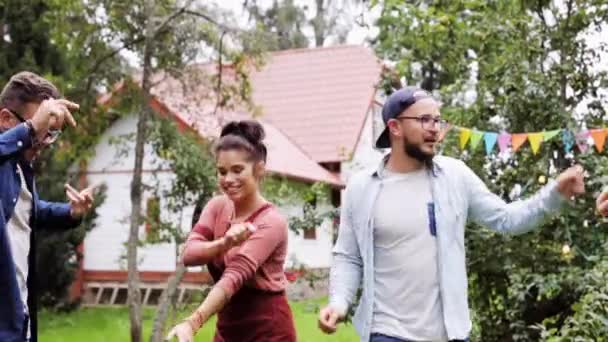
(318, 97)
(195, 108)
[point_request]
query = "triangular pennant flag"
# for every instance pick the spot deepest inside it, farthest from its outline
(568, 139)
(490, 140)
(599, 137)
(465, 134)
(581, 141)
(475, 139)
(548, 135)
(504, 139)
(535, 140)
(518, 140)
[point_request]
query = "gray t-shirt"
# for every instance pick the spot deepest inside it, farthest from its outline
(407, 300)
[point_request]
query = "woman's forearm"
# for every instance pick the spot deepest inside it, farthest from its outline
(198, 252)
(213, 303)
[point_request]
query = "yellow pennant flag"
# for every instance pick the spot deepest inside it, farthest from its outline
(518, 140)
(599, 137)
(535, 140)
(465, 135)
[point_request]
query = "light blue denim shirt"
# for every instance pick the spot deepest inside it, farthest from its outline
(458, 194)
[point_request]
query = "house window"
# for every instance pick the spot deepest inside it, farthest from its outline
(152, 214)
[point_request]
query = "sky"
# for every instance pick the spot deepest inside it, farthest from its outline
(357, 34)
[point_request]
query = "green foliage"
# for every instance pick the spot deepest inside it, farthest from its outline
(36, 36)
(190, 159)
(277, 28)
(529, 67)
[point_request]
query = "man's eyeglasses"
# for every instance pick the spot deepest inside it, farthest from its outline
(51, 136)
(428, 122)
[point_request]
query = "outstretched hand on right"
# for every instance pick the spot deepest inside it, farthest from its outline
(602, 204)
(329, 319)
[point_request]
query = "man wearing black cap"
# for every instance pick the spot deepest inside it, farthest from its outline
(401, 233)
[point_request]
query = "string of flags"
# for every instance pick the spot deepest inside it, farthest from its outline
(515, 141)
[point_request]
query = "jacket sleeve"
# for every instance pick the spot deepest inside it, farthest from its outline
(52, 215)
(516, 217)
(347, 267)
(14, 141)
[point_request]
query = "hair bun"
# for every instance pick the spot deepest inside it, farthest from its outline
(250, 130)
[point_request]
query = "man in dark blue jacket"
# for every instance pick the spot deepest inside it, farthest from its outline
(31, 118)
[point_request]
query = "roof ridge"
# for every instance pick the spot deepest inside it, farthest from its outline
(296, 145)
(318, 49)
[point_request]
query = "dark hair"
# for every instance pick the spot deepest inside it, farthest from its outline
(26, 87)
(244, 135)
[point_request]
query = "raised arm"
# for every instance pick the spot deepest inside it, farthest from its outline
(521, 216)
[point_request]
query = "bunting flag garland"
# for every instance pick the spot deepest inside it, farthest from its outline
(465, 134)
(550, 134)
(515, 141)
(535, 140)
(490, 140)
(599, 138)
(504, 140)
(475, 139)
(518, 140)
(568, 139)
(581, 141)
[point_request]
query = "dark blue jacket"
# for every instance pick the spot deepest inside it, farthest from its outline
(57, 215)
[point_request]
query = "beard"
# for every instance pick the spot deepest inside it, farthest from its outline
(417, 153)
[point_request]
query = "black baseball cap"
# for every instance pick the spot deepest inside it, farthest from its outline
(394, 105)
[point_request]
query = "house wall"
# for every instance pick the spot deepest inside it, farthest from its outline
(365, 155)
(104, 246)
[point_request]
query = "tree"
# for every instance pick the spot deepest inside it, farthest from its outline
(282, 25)
(522, 67)
(329, 20)
(165, 36)
(36, 37)
(278, 27)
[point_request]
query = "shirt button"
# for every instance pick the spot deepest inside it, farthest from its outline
(14, 200)
(19, 143)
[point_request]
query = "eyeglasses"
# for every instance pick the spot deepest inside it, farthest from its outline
(51, 136)
(428, 122)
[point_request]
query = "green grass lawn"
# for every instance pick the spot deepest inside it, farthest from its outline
(112, 324)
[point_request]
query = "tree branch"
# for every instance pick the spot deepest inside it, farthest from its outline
(170, 18)
(92, 71)
(211, 20)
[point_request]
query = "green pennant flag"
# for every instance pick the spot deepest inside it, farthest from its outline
(550, 134)
(475, 139)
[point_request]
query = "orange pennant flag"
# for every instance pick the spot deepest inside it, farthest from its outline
(518, 140)
(535, 140)
(599, 137)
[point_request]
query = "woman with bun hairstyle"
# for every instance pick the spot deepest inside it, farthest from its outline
(242, 238)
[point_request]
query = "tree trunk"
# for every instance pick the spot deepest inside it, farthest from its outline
(165, 302)
(135, 314)
(319, 25)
